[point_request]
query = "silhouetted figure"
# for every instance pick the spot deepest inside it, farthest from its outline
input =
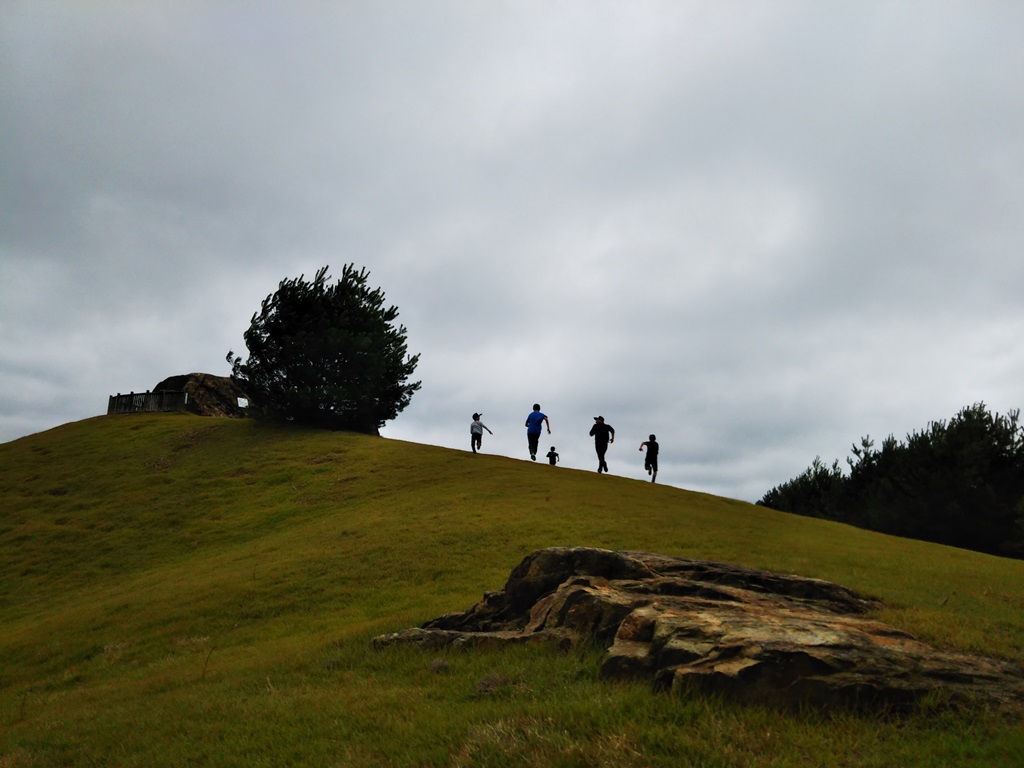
(651, 459)
(603, 434)
(552, 456)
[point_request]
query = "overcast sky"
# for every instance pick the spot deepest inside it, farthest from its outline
(760, 230)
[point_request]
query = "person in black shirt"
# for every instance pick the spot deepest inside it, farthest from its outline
(603, 434)
(651, 459)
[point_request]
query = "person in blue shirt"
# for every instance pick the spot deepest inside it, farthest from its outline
(533, 428)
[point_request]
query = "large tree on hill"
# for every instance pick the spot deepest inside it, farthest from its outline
(327, 355)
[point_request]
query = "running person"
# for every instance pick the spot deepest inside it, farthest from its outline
(476, 432)
(651, 459)
(533, 428)
(603, 434)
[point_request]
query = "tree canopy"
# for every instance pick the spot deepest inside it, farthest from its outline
(959, 483)
(327, 355)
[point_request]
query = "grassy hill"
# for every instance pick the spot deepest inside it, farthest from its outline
(181, 591)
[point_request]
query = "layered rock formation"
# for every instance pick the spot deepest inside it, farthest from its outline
(208, 395)
(741, 632)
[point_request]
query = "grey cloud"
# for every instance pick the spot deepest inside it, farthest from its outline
(758, 232)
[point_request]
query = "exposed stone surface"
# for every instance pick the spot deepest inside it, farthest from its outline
(727, 629)
(208, 395)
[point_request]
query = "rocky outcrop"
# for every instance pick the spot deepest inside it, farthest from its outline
(725, 629)
(208, 395)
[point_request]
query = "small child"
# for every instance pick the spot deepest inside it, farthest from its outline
(651, 459)
(552, 456)
(476, 432)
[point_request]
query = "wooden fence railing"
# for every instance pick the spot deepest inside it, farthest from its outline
(142, 402)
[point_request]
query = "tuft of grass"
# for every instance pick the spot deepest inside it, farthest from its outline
(177, 590)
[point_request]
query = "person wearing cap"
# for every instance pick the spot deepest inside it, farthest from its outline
(651, 459)
(476, 432)
(533, 425)
(603, 434)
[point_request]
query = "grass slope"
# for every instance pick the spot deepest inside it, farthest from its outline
(181, 591)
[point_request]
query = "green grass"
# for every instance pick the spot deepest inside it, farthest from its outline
(180, 591)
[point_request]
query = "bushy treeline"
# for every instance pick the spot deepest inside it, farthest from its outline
(958, 483)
